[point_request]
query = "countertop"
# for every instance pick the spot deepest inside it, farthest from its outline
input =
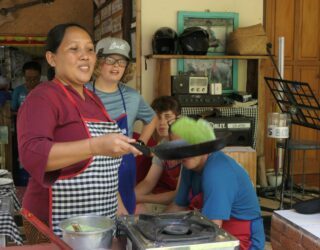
(307, 222)
(117, 244)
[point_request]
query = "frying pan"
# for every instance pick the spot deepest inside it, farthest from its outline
(179, 149)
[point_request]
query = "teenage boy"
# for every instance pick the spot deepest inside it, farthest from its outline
(159, 185)
(218, 186)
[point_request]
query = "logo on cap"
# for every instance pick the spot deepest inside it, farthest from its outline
(114, 45)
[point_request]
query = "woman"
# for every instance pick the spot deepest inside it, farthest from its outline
(32, 74)
(67, 142)
(124, 104)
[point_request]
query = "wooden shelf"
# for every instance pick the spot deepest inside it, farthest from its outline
(254, 84)
(205, 57)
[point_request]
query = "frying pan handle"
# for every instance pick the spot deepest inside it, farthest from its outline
(43, 228)
(145, 150)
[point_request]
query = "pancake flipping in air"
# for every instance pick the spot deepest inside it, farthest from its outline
(193, 131)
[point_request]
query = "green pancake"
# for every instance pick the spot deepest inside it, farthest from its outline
(193, 131)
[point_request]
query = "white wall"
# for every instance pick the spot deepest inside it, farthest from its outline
(159, 13)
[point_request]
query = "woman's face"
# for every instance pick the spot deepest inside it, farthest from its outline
(75, 58)
(112, 69)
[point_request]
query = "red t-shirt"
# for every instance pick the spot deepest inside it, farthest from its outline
(143, 163)
(169, 178)
(46, 117)
(170, 174)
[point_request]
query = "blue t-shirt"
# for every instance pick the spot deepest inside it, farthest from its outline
(4, 96)
(136, 106)
(227, 191)
(18, 96)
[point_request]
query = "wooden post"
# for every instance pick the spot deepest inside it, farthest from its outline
(162, 78)
(6, 149)
(138, 45)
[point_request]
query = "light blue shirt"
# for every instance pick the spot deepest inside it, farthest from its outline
(137, 108)
(18, 96)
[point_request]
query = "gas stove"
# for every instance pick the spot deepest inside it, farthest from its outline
(183, 230)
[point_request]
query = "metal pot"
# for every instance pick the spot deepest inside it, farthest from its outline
(98, 238)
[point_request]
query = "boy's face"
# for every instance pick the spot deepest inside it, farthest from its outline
(164, 119)
(113, 68)
(32, 78)
(195, 163)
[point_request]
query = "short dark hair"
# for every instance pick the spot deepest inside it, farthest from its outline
(54, 39)
(31, 65)
(166, 103)
(56, 35)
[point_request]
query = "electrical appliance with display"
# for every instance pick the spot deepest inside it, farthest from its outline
(189, 84)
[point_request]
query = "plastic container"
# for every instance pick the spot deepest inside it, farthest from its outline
(278, 125)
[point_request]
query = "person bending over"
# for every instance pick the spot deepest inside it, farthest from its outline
(222, 190)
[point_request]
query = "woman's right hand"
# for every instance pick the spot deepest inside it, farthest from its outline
(114, 145)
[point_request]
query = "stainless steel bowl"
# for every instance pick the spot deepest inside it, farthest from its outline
(99, 238)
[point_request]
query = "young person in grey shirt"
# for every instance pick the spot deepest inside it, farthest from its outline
(125, 105)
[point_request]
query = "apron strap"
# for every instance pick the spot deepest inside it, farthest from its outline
(70, 97)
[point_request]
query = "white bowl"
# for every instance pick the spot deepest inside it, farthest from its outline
(274, 180)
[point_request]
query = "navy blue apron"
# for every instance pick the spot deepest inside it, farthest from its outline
(127, 170)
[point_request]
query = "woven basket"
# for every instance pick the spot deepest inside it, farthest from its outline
(33, 235)
(250, 40)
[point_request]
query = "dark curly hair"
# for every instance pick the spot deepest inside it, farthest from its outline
(165, 103)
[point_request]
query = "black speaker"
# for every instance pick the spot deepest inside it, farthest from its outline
(241, 129)
(180, 84)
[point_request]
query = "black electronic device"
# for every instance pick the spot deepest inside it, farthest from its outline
(203, 100)
(180, 84)
(189, 84)
(241, 128)
(241, 96)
